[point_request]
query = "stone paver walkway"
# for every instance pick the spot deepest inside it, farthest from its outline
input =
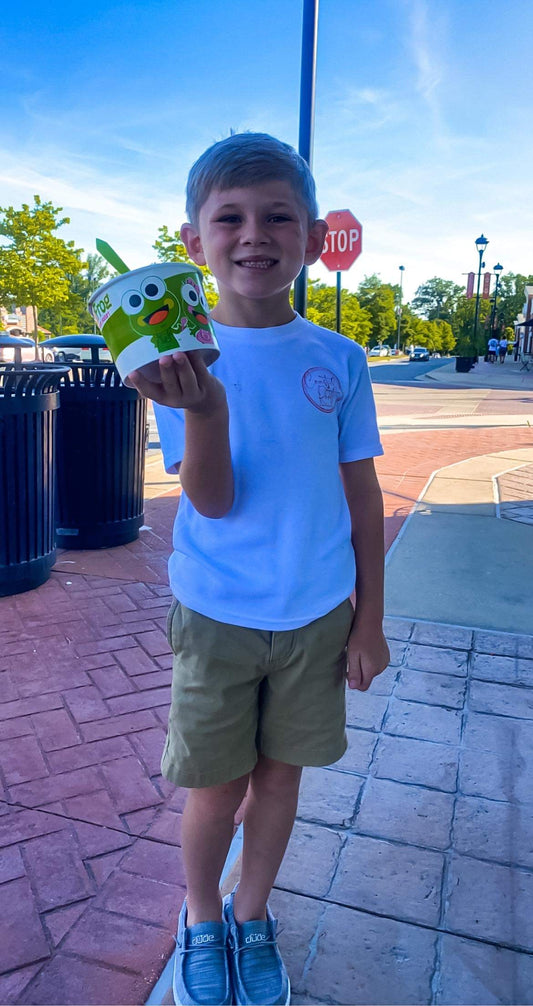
(409, 876)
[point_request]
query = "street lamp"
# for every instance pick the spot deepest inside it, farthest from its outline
(498, 269)
(401, 268)
(481, 244)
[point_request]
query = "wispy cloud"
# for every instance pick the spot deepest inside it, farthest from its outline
(427, 34)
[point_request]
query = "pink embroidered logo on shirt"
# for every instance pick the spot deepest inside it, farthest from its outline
(322, 387)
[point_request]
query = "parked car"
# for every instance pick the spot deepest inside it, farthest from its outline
(419, 353)
(80, 354)
(7, 353)
(379, 351)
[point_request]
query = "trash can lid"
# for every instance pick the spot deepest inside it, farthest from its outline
(76, 339)
(15, 340)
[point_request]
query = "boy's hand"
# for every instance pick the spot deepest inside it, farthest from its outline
(368, 655)
(185, 383)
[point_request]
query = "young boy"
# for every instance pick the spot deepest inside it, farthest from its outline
(274, 446)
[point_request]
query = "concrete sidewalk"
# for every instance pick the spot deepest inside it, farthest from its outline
(409, 875)
(465, 554)
(509, 375)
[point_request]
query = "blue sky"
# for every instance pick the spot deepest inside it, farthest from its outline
(423, 124)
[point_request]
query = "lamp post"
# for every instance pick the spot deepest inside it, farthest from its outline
(498, 269)
(401, 268)
(481, 244)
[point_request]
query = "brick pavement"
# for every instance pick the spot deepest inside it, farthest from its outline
(89, 831)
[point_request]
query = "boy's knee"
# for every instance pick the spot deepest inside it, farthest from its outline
(275, 776)
(218, 801)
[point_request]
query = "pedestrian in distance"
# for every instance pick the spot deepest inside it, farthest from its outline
(502, 349)
(492, 349)
(280, 516)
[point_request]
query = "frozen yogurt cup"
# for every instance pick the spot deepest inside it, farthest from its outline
(152, 312)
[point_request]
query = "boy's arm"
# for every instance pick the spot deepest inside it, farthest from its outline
(368, 653)
(205, 470)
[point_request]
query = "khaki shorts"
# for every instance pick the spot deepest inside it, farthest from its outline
(239, 692)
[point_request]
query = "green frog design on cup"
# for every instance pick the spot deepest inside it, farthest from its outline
(156, 310)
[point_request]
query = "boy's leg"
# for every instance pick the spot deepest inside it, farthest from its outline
(269, 814)
(207, 831)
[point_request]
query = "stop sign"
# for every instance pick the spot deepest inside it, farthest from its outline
(343, 241)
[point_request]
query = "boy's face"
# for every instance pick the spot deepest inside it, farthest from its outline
(255, 240)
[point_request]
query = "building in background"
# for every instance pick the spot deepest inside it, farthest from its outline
(524, 325)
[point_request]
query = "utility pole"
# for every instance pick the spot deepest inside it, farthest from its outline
(401, 268)
(307, 119)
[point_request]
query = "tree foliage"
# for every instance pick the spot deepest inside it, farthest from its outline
(36, 267)
(356, 322)
(170, 248)
(511, 298)
(378, 299)
(73, 316)
(437, 298)
(463, 326)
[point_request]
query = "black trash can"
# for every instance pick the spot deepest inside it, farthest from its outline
(464, 363)
(100, 454)
(29, 400)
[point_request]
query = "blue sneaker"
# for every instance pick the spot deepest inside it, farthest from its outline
(201, 972)
(258, 973)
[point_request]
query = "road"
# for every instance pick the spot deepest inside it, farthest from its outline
(401, 371)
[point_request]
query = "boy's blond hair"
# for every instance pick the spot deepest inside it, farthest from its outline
(245, 159)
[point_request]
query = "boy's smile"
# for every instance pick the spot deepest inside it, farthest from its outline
(255, 240)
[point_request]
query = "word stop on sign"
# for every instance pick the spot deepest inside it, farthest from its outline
(341, 241)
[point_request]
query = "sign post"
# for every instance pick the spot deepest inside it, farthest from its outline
(342, 246)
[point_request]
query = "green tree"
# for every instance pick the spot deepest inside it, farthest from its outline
(447, 338)
(356, 323)
(419, 331)
(378, 299)
(96, 274)
(439, 336)
(73, 316)
(36, 267)
(170, 248)
(463, 326)
(511, 298)
(437, 298)
(408, 327)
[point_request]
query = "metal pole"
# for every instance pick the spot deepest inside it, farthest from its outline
(481, 253)
(307, 119)
(401, 268)
(338, 311)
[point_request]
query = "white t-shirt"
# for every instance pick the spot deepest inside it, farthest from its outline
(300, 401)
(493, 345)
